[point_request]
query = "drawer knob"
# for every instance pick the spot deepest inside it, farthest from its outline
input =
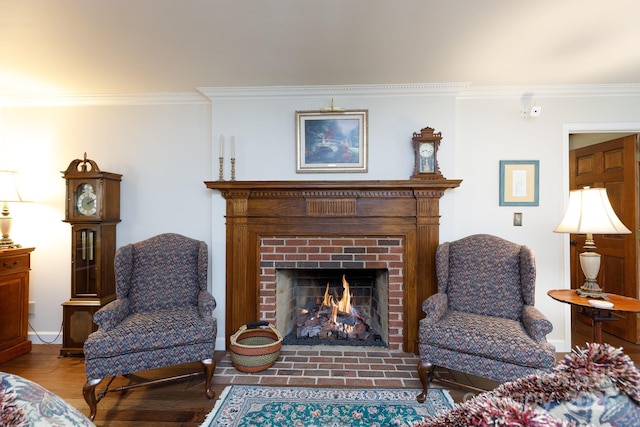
(14, 264)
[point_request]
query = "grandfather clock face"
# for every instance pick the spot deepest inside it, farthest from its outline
(86, 200)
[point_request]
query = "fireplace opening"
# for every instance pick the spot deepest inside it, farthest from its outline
(333, 306)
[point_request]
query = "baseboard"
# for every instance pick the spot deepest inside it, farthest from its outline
(562, 346)
(45, 337)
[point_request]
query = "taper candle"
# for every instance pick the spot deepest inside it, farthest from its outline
(233, 146)
(221, 145)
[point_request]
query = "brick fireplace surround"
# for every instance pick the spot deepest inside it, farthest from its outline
(334, 253)
(357, 211)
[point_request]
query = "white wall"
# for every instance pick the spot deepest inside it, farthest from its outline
(164, 152)
(490, 130)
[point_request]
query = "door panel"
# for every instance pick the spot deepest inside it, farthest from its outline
(614, 166)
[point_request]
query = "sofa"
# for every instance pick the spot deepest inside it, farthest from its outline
(597, 385)
(25, 403)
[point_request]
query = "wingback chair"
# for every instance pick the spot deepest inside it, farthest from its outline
(162, 315)
(482, 321)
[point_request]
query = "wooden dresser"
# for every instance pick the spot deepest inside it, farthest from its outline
(14, 302)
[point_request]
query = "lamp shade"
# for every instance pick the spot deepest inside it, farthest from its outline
(590, 212)
(8, 187)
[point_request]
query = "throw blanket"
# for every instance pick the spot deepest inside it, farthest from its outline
(596, 385)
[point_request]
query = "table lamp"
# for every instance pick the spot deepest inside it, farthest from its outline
(8, 194)
(590, 212)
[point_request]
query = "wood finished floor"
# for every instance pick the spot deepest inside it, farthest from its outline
(181, 403)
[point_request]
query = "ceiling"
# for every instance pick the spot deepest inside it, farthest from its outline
(150, 46)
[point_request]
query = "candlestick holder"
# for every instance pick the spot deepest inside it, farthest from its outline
(221, 172)
(233, 169)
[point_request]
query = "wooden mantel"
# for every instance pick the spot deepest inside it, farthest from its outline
(408, 209)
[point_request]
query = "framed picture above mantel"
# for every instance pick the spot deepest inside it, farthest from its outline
(519, 182)
(331, 141)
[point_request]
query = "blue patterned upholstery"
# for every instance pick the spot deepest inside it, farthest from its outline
(162, 315)
(482, 321)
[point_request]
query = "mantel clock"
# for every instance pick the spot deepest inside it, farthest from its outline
(425, 148)
(93, 210)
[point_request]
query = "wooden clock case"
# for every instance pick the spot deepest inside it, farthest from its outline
(93, 246)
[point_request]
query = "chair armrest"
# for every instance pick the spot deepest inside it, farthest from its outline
(434, 307)
(535, 323)
(206, 304)
(112, 314)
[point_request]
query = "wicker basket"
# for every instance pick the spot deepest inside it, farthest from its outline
(255, 347)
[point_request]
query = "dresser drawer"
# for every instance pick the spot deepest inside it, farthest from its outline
(15, 263)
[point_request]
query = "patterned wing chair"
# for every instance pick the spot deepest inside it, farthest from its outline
(162, 315)
(482, 320)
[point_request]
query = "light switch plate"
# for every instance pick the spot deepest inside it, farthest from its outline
(517, 219)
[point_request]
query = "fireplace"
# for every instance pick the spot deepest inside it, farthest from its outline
(332, 307)
(328, 258)
(388, 225)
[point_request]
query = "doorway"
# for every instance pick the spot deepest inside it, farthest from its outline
(619, 272)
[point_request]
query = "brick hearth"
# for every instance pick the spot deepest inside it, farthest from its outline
(329, 366)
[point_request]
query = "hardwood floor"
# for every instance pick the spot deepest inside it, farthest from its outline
(181, 403)
(582, 333)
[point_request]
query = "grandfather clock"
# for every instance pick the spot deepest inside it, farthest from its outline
(93, 210)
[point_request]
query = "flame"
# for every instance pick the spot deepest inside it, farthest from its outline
(327, 298)
(343, 305)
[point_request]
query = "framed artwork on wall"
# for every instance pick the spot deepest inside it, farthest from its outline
(519, 182)
(331, 141)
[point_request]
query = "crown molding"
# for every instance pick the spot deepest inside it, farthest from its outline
(160, 98)
(204, 95)
(476, 92)
(409, 89)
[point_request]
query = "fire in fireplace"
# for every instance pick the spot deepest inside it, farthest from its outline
(340, 312)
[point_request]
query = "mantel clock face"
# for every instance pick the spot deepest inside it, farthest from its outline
(425, 146)
(427, 157)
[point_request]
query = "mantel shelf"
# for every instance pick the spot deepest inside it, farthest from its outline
(418, 184)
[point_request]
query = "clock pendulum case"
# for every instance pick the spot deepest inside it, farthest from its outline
(93, 210)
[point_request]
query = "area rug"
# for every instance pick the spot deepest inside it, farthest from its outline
(250, 406)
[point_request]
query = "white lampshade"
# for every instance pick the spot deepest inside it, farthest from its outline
(590, 212)
(8, 187)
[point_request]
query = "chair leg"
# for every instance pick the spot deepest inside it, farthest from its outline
(425, 373)
(89, 393)
(209, 367)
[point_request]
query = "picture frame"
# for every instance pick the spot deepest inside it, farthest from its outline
(519, 182)
(331, 141)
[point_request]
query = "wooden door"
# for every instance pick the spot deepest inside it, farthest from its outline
(614, 166)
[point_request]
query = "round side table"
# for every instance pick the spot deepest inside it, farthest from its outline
(597, 315)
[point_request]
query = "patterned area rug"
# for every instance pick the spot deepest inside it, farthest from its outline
(251, 406)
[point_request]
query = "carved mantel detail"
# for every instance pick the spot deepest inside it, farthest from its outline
(408, 209)
(331, 207)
